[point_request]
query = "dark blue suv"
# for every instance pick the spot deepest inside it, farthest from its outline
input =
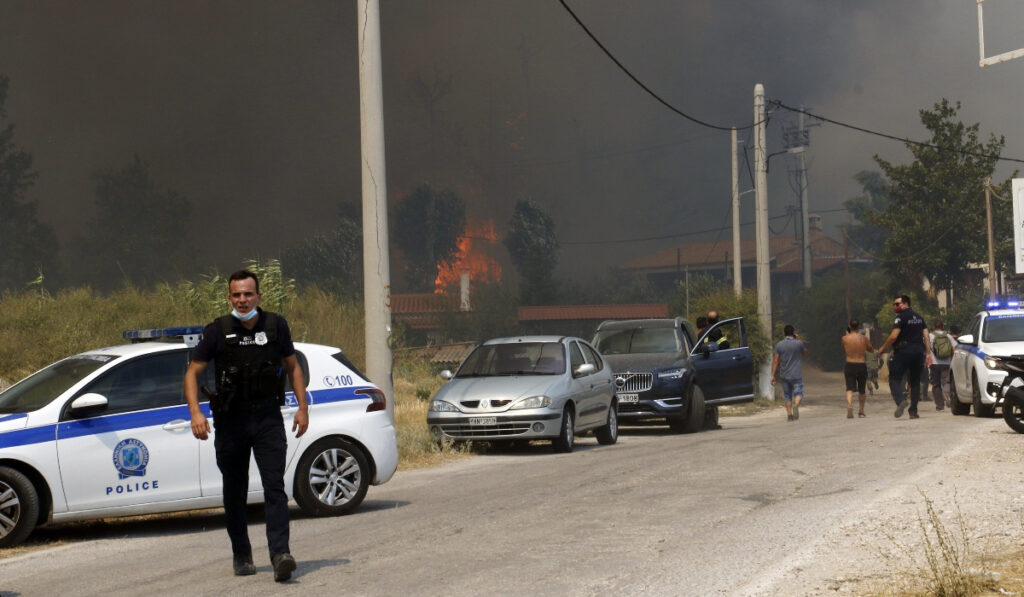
(664, 370)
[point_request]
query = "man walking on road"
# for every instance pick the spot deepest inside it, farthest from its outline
(911, 352)
(943, 345)
(856, 346)
(252, 350)
(786, 361)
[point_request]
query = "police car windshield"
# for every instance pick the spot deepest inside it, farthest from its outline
(1004, 328)
(40, 388)
(636, 341)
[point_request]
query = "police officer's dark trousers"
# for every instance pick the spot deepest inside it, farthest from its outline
(906, 362)
(262, 433)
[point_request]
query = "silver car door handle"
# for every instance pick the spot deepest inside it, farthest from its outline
(177, 424)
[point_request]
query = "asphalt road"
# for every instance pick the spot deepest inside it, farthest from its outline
(721, 512)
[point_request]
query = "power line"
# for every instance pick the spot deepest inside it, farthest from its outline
(664, 237)
(892, 137)
(641, 84)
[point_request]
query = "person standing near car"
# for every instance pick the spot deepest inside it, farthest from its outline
(856, 346)
(786, 362)
(943, 345)
(253, 351)
(911, 353)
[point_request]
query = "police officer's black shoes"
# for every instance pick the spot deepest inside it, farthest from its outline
(902, 406)
(284, 565)
(243, 565)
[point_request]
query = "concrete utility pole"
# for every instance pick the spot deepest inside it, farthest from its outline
(376, 267)
(764, 284)
(737, 272)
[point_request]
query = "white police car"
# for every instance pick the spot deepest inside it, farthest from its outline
(998, 331)
(107, 433)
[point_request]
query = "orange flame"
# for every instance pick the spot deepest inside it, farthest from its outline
(472, 258)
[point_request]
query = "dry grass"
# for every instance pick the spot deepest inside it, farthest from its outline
(950, 567)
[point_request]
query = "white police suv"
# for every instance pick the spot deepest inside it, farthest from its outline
(107, 433)
(997, 331)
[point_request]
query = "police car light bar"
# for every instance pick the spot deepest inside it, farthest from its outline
(1007, 304)
(190, 334)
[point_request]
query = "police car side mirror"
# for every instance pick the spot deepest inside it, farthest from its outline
(88, 404)
(967, 339)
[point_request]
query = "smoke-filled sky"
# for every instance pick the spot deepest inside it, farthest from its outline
(249, 108)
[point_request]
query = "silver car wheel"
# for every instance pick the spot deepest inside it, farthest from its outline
(335, 476)
(19, 507)
(10, 510)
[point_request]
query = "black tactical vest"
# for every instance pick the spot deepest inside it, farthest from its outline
(249, 370)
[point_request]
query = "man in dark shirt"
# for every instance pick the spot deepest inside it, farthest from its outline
(253, 349)
(911, 354)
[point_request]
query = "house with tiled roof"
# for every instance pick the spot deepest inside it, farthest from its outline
(666, 268)
(581, 320)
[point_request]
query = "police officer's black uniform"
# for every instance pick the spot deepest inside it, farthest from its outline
(908, 357)
(247, 419)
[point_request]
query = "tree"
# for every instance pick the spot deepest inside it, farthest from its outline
(29, 247)
(533, 246)
(866, 235)
(935, 224)
(428, 224)
(138, 232)
(331, 260)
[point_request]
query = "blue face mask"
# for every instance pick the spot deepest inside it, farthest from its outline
(245, 317)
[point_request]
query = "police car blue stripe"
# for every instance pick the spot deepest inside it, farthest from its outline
(12, 417)
(121, 422)
(24, 437)
(146, 418)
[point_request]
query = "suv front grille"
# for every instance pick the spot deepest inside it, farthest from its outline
(633, 382)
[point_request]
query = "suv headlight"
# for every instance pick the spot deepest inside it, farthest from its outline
(440, 406)
(672, 373)
(532, 402)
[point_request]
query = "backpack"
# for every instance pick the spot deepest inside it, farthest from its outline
(942, 348)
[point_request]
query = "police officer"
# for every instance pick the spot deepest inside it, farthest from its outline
(911, 354)
(253, 350)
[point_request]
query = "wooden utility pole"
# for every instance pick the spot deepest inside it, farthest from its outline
(846, 267)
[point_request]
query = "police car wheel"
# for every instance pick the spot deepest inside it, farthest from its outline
(19, 507)
(332, 478)
(980, 408)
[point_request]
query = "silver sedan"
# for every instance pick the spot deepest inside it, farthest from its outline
(525, 388)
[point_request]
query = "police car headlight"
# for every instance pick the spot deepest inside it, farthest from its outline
(992, 362)
(672, 374)
(532, 402)
(440, 406)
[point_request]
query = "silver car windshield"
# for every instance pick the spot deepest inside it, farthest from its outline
(519, 358)
(637, 340)
(40, 388)
(1003, 329)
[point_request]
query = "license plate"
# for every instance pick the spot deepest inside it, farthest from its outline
(483, 420)
(629, 397)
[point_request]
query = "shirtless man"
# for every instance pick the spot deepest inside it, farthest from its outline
(856, 346)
